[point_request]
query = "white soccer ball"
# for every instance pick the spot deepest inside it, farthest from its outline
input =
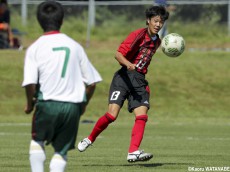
(173, 45)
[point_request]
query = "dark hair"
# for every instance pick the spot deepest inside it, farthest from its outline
(50, 15)
(157, 11)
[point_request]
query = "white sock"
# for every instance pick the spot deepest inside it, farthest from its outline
(37, 156)
(57, 163)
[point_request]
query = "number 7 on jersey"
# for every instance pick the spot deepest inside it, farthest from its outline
(67, 53)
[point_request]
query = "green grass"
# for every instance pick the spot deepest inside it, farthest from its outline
(176, 146)
(188, 123)
(193, 85)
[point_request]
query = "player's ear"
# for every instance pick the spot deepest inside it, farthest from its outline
(149, 20)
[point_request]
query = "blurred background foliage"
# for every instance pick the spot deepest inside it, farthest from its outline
(201, 25)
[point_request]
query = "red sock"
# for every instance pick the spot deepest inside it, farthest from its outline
(137, 132)
(101, 124)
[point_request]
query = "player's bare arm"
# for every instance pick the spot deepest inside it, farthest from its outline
(89, 93)
(123, 61)
(30, 91)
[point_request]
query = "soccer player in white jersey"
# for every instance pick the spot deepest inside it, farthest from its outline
(59, 81)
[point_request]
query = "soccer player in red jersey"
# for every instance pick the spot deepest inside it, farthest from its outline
(134, 55)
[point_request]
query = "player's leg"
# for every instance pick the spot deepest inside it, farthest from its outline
(65, 133)
(37, 151)
(141, 118)
(37, 156)
(101, 124)
(58, 163)
(117, 96)
(137, 135)
(139, 104)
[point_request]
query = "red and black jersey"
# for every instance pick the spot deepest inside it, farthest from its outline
(139, 48)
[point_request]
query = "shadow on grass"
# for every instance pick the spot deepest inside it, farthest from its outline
(137, 164)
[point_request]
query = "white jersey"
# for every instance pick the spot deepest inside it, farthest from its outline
(61, 68)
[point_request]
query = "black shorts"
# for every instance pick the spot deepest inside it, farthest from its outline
(130, 85)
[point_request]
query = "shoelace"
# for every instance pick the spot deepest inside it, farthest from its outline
(141, 151)
(86, 143)
(138, 154)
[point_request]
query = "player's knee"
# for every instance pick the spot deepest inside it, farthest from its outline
(36, 146)
(37, 155)
(58, 163)
(142, 117)
(58, 156)
(110, 117)
(114, 110)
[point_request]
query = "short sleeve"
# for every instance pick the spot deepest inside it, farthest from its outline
(30, 69)
(89, 73)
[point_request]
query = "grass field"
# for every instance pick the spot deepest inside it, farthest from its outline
(176, 147)
(189, 122)
(189, 119)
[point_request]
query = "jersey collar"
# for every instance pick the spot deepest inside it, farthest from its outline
(51, 32)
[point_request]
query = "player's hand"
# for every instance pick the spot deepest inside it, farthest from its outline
(83, 108)
(28, 109)
(30, 106)
(131, 66)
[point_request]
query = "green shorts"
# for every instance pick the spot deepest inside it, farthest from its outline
(56, 123)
